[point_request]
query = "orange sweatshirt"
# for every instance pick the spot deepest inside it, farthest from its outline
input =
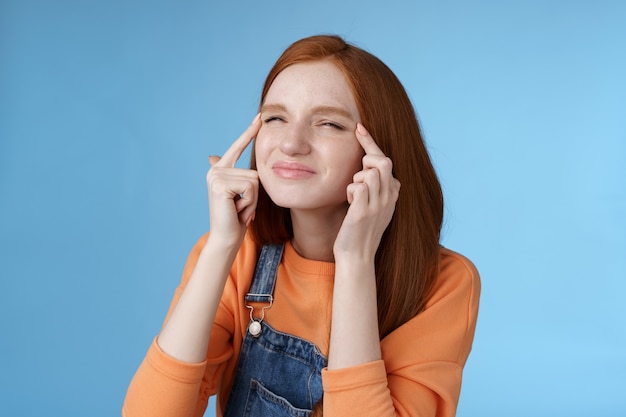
(422, 361)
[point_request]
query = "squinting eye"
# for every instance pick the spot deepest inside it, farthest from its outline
(333, 125)
(273, 119)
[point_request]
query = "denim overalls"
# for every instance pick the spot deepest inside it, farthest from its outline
(277, 374)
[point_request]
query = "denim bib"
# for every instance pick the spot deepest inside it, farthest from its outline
(278, 374)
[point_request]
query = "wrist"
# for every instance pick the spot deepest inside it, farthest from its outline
(354, 260)
(224, 242)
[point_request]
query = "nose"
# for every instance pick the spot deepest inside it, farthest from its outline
(296, 140)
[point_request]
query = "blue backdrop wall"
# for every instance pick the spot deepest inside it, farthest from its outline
(108, 110)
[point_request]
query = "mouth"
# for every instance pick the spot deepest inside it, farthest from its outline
(292, 170)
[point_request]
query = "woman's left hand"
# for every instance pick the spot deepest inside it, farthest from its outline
(372, 197)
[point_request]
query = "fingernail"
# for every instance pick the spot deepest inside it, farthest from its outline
(256, 118)
(361, 129)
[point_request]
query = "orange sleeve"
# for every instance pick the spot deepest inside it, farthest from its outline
(422, 361)
(163, 385)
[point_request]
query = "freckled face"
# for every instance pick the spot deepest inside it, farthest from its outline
(306, 149)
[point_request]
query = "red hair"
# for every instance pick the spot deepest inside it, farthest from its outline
(407, 260)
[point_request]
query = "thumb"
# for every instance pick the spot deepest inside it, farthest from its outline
(214, 159)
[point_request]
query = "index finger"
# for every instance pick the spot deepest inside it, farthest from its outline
(231, 156)
(366, 141)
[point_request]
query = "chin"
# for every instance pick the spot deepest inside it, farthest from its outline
(309, 203)
(305, 196)
(288, 197)
(292, 202)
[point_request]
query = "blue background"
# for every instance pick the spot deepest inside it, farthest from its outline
(108, 110)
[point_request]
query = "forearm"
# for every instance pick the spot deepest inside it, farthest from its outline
(354, 338)
(163, 386)
(186, 334)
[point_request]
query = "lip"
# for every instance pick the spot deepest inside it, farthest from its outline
(292, 170)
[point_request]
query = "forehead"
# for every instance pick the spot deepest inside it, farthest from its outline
(316, 83)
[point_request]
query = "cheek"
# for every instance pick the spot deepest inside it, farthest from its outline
(348, 162)
(262, 152)
(260, 148)
(356, 159)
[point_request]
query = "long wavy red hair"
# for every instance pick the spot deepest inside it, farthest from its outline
(407, 261)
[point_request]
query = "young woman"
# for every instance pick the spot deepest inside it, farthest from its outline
(322, 285)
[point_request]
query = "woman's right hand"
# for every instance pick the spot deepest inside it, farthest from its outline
(232, 202)
(233, 191)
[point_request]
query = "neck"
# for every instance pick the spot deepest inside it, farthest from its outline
(314, 233)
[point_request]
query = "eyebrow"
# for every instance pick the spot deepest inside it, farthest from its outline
(316, 110)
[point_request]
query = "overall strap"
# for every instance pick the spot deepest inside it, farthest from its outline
(264, 278)
(262, 286)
